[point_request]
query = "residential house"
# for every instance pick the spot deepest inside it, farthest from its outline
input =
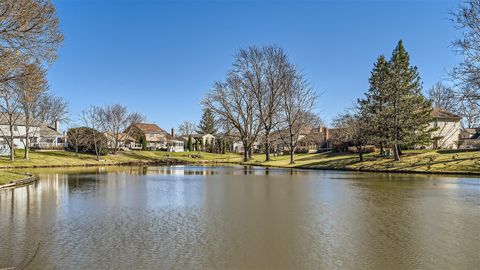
(50, 137)
(204, 139)
(239, 148)
(124, 141)
(156, 138)
(470, 138)
(447, 129)
(310, 140)
(41, 135)
(176, 144)
(19, 133)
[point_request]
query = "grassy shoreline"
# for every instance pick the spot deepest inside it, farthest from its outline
(7, 177)
(422, 161)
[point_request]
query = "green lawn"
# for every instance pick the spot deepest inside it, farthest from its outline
(66, 158)
(7, 177)
(417, 161)
(414, 161)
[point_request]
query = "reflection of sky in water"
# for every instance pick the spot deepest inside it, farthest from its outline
(194, 217)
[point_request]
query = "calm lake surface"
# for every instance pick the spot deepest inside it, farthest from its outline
(187, 217)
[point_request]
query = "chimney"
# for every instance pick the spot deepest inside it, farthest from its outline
(57, 126)
(173, 132)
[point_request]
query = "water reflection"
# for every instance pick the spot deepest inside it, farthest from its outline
(189, 217)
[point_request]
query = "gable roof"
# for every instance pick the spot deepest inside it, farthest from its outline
(47, 131)
(149, 128)
(438, 113)
(121, 136)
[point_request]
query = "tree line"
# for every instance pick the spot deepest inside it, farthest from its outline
(29, 39)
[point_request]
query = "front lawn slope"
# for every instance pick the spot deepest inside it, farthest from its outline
(442, 161)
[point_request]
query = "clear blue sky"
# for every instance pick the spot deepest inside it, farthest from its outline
(160, 57)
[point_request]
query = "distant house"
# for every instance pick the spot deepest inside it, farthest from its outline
(470, 138)
(41, 135)
(124, 141)
(19, 133)
(315, 140)
(175, 145)
(310, 139)
(448, 128)
(204, 139)
(240, 149)
(50, 137)
(156, 138)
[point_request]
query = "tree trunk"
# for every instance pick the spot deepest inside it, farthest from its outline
(11, 144)
(27, 143)
(292, 155)
(360, 155)
(382, 151)
(396, 154)
(116, 145)
(245, 155)
(267, 145)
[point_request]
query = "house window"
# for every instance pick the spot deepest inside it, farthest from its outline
(15, 128)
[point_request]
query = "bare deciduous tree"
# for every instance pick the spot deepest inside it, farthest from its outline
(467, 19)
(75, 138)
(469, 108)
(353, 127)
(443, 97)
(298, 102)
(30, 27)
(92, 118)
(116, 119)
(271, 68)
(51, 109)
(236, 104)
(187, 128)
(30, 86)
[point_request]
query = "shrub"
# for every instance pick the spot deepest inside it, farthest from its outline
(82, 137)
(368, 149)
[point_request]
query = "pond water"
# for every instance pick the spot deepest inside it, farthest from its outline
(188, 217)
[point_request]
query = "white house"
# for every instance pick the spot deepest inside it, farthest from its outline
(49, 137)
(19, 132)
(41, 135)
(239, 148)
(448, 129)
(175, 145)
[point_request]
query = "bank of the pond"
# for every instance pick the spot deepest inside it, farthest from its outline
(422, 161)
(12, 179)
(40, 159)
(442, 162)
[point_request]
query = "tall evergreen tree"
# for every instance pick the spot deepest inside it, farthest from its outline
(207, 124)
(410, 111)
(397, 112)
(373, 106)
(189, 143)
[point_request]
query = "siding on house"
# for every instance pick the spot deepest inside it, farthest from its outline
(448, 129)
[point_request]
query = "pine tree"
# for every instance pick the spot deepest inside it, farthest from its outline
(408, 110)
(374, 105)
(207, 124)
(189, 143)
(395, 110)
(197, 148)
